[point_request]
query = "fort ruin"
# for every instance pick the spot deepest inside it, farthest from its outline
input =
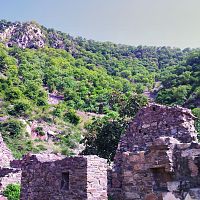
(49, 177)
(158, 158)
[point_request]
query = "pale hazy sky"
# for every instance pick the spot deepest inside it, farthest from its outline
(133, 22)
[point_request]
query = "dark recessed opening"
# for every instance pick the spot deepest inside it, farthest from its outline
(145, 133)
(65, 181)
(154, 108)
(140, 131)
(161, 177)
(9, 45)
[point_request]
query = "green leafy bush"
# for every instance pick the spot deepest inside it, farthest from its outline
(12, 192)
(66, 151)
(40, 131)
(13, 93)
(12, 128)
(20, 108)
(72, 117)
(196, 112)
(104, 133)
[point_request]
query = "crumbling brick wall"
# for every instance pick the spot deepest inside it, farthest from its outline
(47, 177)
(150, 154)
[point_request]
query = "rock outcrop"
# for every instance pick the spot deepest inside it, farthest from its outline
(23, 35)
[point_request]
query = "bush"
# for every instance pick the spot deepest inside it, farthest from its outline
(72, 117)
(21, 146)
(13, 94)
(196, 112)
(21, 107)
(12, 127)
(65, 151)
(41, 101)
(12, 192)
(40, 131)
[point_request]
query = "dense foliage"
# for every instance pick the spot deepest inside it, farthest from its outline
(104, 133)
(181, 83)
(85, 75)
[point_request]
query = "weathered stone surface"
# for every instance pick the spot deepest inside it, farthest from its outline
(3, 198)
(23, 35)
(151, 196)
(169, 196)
(154, 121)
(57, 177)
(8, 174)
(5, 154)
(158, 157)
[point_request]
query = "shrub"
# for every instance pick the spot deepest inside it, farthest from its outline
(12, 192)
(41, 101)
(12, 127)
(59, 109)
(65, 151)
(21, 146)
(21, 107)
(72, 117)
(196, 112)
(13, 94)
(41, 147)
(40, 131)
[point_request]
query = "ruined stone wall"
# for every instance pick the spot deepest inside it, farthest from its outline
(48, 177)
(8, 174)
(5, 154)
(155, 121)
(96, 178)
(169, 170)
(150, 162)
(185, 183)
(158, 158)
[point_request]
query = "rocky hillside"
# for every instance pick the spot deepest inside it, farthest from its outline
(33, 35)
(48, 79)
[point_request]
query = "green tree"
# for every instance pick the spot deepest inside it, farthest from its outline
(104, 133)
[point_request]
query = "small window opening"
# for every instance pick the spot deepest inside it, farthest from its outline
(65, 181)
(161, 177)
(154, 109)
